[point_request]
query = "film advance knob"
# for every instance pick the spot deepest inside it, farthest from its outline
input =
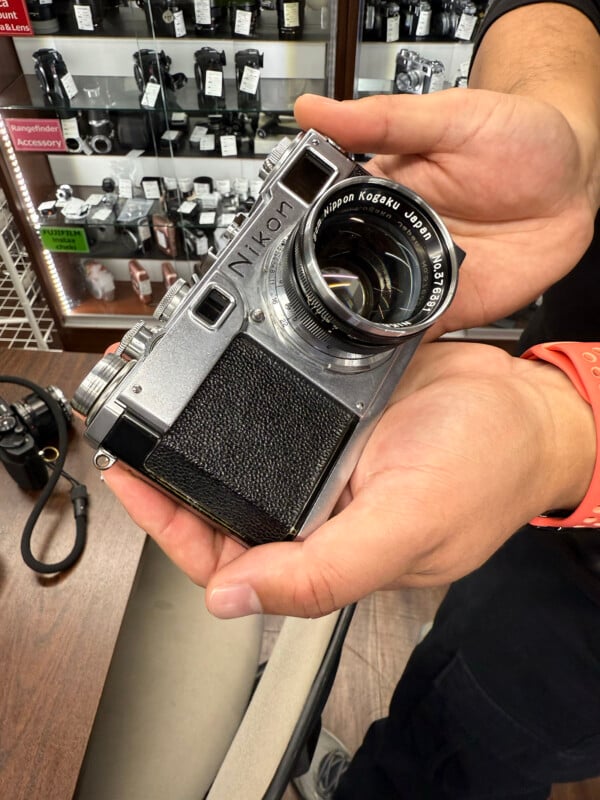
(171, 299)
(274, 156)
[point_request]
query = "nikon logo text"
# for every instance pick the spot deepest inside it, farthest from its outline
(254, 245)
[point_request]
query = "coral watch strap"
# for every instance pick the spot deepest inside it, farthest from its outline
(581, 362)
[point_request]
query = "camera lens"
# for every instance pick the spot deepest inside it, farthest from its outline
(371, 263)
(37, 417)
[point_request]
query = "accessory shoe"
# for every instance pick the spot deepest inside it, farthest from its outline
(330, 761)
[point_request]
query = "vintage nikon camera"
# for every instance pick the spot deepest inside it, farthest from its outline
(26, 427)
(252, 393)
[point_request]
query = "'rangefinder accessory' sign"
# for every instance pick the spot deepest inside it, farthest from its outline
(14, 19)
(43, 135)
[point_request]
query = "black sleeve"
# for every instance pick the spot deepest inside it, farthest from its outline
(591, 8)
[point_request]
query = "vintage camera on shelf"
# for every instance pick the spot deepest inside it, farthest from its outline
(27, 428)
(243, 16)
(165, 18)
(151, 70)
(211, 17)
(248, 64)
(416, 74)
(298, 333)
(290, 19)
(210, 81)
(43, 18)
(54, 78)
(133, 224)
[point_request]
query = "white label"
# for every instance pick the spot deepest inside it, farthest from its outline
(179, 24)
(370, 18)
(171, 136)
(102, 214)
(227, 219)
(255, 187)
(213, 83)
(392, 33)
(144, 286)
(198, 132)
(202, 12)
(424, 23)
(161, 238)
(178, 117)
(243, 22)
(211, 200)
(69, 85)
(83, 17)
(144, 232)
(240, 186)
(466, 26)
(135, 153)
(125, 188)
(201, 245)
(207, 218)
(185, 185)
(291, 15)
(70, 128)
(223, 186)
(207, 142)
(228, 145)
(48, 205)
(151, 190)
(150, 95)
(94, 199)
(170, 183)
(187, 207)
(201, 189)
(250, 79)
(46, 2)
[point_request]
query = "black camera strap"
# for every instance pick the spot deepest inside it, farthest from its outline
(78, 494)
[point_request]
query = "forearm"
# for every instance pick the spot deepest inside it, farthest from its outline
(550, 52)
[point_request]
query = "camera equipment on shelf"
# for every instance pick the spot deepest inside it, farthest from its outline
(151, 70)
(290, 19)
(208, 70)
(248, 64)
(42, 16)
(165, 18)
(54, 78)
(88, 14)
(298, 332)
(211, 17)
(99, 280)
(416, 74)
(243, 15)
(388, 20)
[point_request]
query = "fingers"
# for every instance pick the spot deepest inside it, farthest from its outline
(188, 541)
(396, 124)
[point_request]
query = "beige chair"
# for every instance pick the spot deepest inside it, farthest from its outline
(176, 720)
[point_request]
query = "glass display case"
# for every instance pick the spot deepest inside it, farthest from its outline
(134, 134)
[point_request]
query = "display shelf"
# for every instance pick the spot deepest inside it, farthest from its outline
(25, 320)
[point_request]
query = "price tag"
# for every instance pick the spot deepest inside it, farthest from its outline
(150, 95)
(201, 245)
(250, 79)
(83, 17)
(144, 232)
(161, 238)
(223, 186)
(228, 145)
(46, 207)
(125, 188)
(291, 15)
(94, 199)
(179, 117)
(424, 23)
(151, 190)
(70, 128)
(465, 27)
(207, 218)
(202, 12)
(186, 207)
(392, 29)
(240, 186)
(255, 187)
(69, 85)
(207, 142)
(102, 214)
(198, 132)
(226, 219)
(201, 189)
(213, 84)
(179, 24)
(243, 22)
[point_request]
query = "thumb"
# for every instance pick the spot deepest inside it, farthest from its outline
(392, 124)
(344, 560)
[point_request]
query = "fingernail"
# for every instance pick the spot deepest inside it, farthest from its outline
(235, 600)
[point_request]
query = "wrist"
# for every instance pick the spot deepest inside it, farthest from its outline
(569, 447)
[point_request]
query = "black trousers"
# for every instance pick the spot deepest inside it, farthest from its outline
(502, 698)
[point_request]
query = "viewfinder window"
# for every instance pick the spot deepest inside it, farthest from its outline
(212, 308)
(307, 177)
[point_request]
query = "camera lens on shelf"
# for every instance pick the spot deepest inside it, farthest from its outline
(42, 16)
(242, 17)
(391, 24)
(290, 19)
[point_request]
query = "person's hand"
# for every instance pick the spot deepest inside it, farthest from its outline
(474, 444)
(505, 173)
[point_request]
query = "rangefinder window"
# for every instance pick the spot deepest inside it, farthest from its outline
(213, 307)
(307, 177)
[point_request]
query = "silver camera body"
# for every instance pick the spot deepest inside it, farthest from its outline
(413, 73)
(251, 394)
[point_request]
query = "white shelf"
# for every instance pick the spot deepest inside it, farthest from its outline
(25, 321)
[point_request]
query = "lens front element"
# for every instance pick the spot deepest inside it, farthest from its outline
(374, 262)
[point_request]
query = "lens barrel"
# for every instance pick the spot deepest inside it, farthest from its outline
(371, 263)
